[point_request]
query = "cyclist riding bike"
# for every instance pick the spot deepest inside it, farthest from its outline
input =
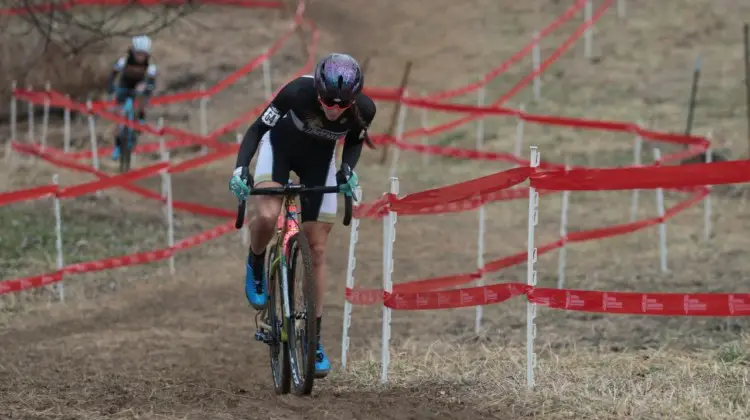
(137, 78)
(298, 132)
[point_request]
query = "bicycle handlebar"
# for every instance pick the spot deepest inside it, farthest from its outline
(297, 189)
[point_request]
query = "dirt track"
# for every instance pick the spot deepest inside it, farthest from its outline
(183, 348)
(178, 350)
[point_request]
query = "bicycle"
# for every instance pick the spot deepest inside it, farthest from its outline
(126, 135)
(291, 334)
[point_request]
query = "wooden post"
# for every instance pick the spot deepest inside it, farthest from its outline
(693, 97)
(396, 111)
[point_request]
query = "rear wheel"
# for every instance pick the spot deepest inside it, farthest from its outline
(125, 150)
(279, 348)
(303, 339)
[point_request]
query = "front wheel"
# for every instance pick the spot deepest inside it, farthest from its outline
(279, 347)
(125, 138)
(301, 330)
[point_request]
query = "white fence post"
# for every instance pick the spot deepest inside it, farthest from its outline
(480, 267)
(588, 36)
(519, 131)
(163, 152)
(636, 162)
(707, 200)
(389, 236)
(663, 224)
(425, 138)
(13, 122)
(66, 128)
(203, 116)
(13, 112)
(58, 240)
(399, 135)
(564, 236)
(531, 274)
(92, 137)
(267, 86)
(167, 193)
(480, 236)
(30, 119)
(45, 116)
(350, 267)
(536, 62)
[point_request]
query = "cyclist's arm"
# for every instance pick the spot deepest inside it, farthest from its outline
(355, 138)
(116, 69)
(278, 107)
(150, 80)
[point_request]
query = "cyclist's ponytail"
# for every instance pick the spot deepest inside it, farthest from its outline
(363, 124)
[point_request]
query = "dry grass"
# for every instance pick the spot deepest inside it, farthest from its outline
(181, 348)
(576, 383)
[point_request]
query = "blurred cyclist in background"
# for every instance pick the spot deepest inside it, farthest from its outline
(137, 79)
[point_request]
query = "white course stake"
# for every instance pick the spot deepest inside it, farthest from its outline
(707, 200)
(13, 112)
(350, 267)
(13, 122)
(663, 224)
(620, 8)
(30, 120)
(45, 116)
(58, 241)
(588, 36)
(399, 135)
(66, 128)
(480, 235)
(92, 137)
(519, 132)
(636, 162)
(203, 117)
(480, 267)
(564, 236)
(267, 87)
(167, 193)
(389, 236)
(531, 275)
(162, 151)
(536, 62)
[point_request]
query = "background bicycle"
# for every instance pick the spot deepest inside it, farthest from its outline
(126, 138)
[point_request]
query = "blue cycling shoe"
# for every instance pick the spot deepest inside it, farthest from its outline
(255, 288)
(322, 364)
(116, 153)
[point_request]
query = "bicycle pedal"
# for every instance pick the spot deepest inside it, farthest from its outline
(263, 337)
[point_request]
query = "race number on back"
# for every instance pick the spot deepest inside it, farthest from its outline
(271, 116)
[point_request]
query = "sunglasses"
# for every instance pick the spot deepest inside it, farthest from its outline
(334, 103)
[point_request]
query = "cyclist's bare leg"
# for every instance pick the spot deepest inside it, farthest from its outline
(317, 235)
(265, 212)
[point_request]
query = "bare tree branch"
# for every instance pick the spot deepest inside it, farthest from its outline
(76, 30)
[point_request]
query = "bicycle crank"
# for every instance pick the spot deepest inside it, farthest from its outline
(264, 337)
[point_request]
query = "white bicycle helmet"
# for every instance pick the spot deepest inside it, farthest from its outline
(141, 43)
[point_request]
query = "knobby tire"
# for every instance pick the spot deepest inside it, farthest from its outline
(279, 351)
(303, 365)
